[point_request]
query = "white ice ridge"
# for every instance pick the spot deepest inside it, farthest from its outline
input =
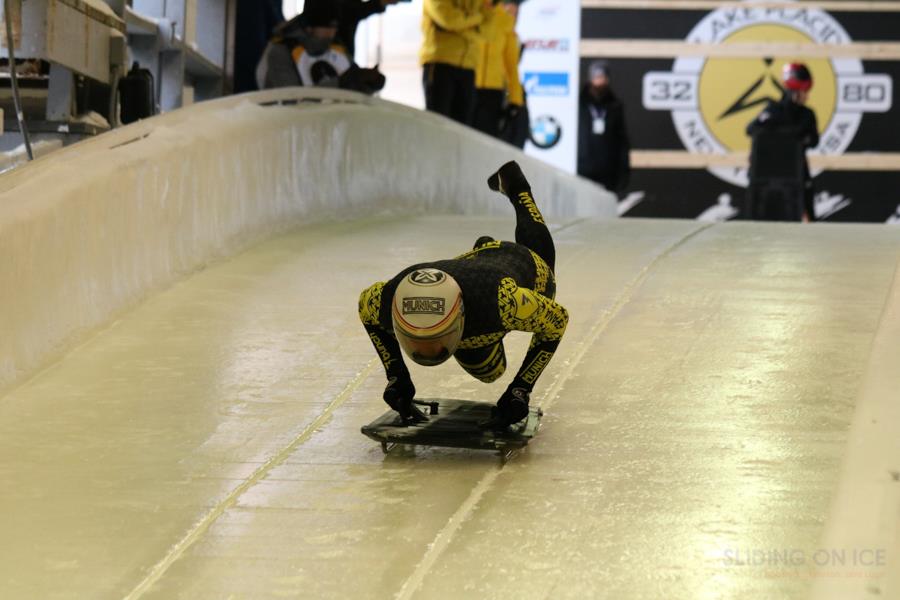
(95, 228)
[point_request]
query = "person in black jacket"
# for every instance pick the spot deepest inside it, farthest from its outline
(353, 12)
(255, 22)
(603, 146)
(790, 115)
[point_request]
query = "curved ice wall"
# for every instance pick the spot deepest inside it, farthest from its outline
(95, 228)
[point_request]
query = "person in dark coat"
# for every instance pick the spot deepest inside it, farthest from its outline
(354, 12)
(603, 146)
(255, 22)
(791, 116)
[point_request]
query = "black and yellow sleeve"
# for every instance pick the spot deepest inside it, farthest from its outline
(385, 345)
(522, 309)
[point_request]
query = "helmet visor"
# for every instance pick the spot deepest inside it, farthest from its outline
(431, 351)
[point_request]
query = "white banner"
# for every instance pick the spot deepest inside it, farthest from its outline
(550, 30)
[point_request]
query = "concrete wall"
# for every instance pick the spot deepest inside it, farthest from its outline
(95, 228)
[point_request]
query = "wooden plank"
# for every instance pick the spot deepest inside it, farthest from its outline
(679, 159)
(107, 18)
(679, 48)
(835, 6)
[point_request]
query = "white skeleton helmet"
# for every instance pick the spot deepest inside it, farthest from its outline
(428, 316)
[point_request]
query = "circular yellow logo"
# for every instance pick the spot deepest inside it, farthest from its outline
(712, 100)
(733, 91)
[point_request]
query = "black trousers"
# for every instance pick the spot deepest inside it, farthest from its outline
(488, 111)
(518, 129)
(780, 203)
(450, 91)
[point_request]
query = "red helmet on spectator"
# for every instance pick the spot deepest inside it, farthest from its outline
(796, 77)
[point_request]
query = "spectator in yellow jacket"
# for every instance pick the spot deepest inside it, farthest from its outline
(453, 31)
(499, 93)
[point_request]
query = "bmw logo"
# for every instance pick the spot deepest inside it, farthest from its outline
(545, 132)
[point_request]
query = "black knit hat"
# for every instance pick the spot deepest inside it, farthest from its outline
(598, 68)
(322, 13)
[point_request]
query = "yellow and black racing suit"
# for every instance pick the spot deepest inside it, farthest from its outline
(506, 286)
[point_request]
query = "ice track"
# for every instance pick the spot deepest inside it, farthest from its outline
(207, 445)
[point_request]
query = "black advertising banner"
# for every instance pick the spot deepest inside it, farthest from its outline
(700, 104)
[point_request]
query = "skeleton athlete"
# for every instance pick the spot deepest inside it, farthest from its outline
(463, 307)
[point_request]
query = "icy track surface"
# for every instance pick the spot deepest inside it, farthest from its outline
(207, 445)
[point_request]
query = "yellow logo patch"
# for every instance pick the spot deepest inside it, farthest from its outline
(526, 304)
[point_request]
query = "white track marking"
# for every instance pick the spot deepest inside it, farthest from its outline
(176, 551)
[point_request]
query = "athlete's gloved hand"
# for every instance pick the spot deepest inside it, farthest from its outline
(511, 408)
(513, 404)
(399, 395)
